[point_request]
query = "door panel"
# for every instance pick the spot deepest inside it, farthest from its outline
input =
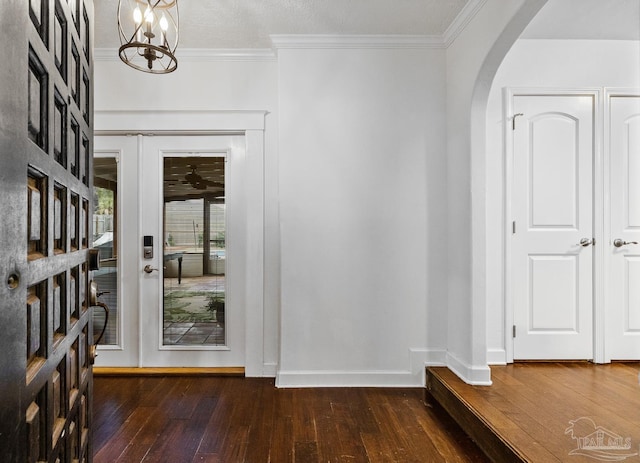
(552, 211)
(623, 317)
(553, 303)
(158, 348)
(46, 386)
(121, 346)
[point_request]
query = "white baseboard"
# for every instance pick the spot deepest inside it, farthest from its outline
(496, 357)
(476, 375)
(328, 378)
(269, 370)
(412, 377)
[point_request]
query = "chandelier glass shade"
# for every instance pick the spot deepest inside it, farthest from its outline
(149, 34)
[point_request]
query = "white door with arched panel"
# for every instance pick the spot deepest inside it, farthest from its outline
(623, 310)
(552, 234)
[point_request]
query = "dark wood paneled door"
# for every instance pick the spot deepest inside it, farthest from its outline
(45, 229)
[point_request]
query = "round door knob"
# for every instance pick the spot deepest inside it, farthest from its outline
(584, 242)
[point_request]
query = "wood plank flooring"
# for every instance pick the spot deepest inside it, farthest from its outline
(536, 412)
(232, 420)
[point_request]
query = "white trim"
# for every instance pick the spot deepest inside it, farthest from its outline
(141, 194)
(598, 216)
(249, 123)
(496, 357)
(507, 188)
(327, 41)
(335, 378)
(177, 122)
(600, 213)
(435, 357)
(201, 55)
(419, 358)
(322, 41)
(461, 21)
(269, 370)
(476, 375)
(255, 248)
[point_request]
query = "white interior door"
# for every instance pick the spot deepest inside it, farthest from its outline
(623, 311)
(552, 211)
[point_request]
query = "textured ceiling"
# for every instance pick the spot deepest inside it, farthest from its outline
(248, 23)
(221, 24)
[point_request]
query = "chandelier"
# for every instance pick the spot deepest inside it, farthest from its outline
(148, 34)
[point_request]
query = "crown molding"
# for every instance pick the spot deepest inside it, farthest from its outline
(461, 21)
(201, 54)
(322, 41)
(319, 41)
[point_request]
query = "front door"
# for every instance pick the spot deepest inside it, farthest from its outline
(623, 312)
(46, 186)
(552, 230)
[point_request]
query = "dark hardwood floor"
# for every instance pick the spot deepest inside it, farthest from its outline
(230, 420)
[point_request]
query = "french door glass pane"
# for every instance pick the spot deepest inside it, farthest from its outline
(194, 251)
(105, 238)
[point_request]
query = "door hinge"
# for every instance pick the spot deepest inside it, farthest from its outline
(514, 331)
(513, 120)
(513, 227)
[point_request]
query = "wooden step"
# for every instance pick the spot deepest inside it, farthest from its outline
(483, 433)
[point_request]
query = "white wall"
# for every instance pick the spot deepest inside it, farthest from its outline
(472, 60)
(212, 84)
(554, 64)
(362, 209)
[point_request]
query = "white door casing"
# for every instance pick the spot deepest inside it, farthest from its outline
(552, 211)
(250, 125)
(623, 308)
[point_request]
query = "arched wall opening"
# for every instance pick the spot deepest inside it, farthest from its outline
(472, 62)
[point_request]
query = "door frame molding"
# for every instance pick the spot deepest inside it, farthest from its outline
(600, 211)
(251, 124)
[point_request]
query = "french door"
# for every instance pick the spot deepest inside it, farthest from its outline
(45, 235)
(181, 293)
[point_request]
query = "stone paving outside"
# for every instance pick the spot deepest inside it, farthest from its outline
(187, 320)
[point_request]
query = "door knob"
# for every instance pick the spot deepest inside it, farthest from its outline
(584, 242)
(619, 243)
(149, 269)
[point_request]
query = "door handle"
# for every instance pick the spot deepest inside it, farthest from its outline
(148, 269)
(584, 242)
(618, 243)
(94, 294)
